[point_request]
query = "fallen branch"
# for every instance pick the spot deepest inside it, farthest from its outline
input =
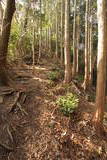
(6, 139)
(12, 105)
(20, 107)
(6, 91)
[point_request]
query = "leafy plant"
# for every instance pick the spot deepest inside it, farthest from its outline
(54, 75)
(68, 103)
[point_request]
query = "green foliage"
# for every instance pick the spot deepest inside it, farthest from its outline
(56, 74)
(53, 75)
(68, 103)
(80, 78)
(14, 36)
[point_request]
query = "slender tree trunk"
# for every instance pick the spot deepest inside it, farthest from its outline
(101, 65)
(40, 30)
(68, 69)
(1, 16)
(56, 32)
(90, 52)
(78, 39)
(50, 48)
(6, 27)
(62, 31)
(33, 49)
(48, 39)
(26, 16)
(86, 76)
(74, 42)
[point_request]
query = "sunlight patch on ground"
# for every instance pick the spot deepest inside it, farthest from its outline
(41, 80)
(39, 68)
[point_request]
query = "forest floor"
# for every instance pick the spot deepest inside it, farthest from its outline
(33, 128)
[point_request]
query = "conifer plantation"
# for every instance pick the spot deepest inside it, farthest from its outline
(53, 93)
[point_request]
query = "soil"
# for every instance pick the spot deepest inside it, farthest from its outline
(35, 129)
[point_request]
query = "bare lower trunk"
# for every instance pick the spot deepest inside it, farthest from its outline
(62, 31)
(40, 31)
(56, 33)
(50, 47)
(26, 16)
(86, 76)
(90, 55)
(6, 26)
(101, 65)
(67, 78)
(78, 39)
(1, 16)
(33, 49)
(74, 42)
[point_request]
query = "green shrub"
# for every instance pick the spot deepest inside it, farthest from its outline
(54, 75)
(68, 103)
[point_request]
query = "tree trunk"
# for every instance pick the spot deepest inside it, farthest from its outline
(1, 16)
(101, 65)
(56, 32)
(62, 31)
(6, 27)
(78, 39)
(86, 76)
(40, 31)
(50, 44)
(90, 52)
(74, 42)
(26, 16)
(68, 69)
(33, 49)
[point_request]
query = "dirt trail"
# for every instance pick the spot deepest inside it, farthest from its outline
(33, 131)
(41, 132)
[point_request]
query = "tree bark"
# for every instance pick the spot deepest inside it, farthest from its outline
(101, 65)
(86, 76)
(1, 16)
(40, 30)
(68, 69)
(26, 16)
(90, 52)
(6, 27)
(56, 32)
(78, 39)
(62, 31)
(74, 42)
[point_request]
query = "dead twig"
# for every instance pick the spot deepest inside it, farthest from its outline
(12, 105)
(21, 109)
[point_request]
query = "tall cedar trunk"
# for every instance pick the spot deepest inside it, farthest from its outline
(90, 52)
(68, 70)
(40, 30)
(56, 32)
(50, 34)
(26, 16)
(46, 34)
(86, 76)
(74, 42)
(33, 48)
(6, 27)
(62, 31)
(101, 65)
(78, 39)
(50, 47)
(1, 16)
(90, 42)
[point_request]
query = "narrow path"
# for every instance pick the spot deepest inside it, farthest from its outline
(44, 133)
(35, 139)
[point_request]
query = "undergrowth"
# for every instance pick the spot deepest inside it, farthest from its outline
(68, 103)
